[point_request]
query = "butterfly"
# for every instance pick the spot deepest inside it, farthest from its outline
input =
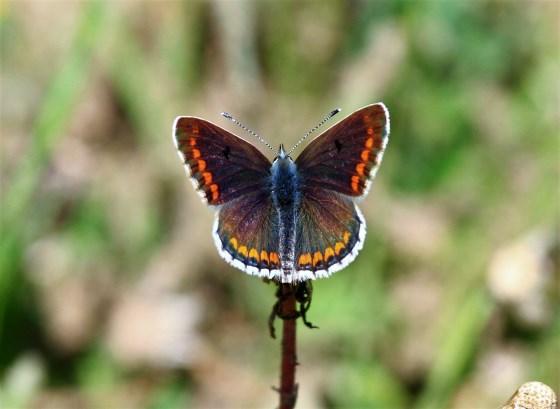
(289, 220)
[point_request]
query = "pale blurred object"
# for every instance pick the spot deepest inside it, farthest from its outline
(520, 274)
(155, 329)
(369, 76)
(417, 230)
(499, 370)
(71, 291)
(418, 298)
(22, 381)
(532, 395)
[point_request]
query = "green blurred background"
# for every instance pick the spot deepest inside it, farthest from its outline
(112, 294)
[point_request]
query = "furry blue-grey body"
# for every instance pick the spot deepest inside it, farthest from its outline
(286, 196)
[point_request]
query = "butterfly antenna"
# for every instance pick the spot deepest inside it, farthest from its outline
(320, 124)
(239, 124)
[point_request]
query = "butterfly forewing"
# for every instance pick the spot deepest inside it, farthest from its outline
(221, 165)
(345, 157)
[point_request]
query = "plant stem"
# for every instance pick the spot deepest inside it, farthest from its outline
(288, 386)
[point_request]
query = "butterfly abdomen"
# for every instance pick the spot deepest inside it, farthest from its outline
(286, 197)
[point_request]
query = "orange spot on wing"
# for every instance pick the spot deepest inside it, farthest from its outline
(195, 153)
(304, 259)
(254, 254)
(369, 143)
(274, 259)
(207, 176)
(365, 155)
(346, 237)
(360, 168)
(201, 165)
(192, 141)
(370, 131)
(317, 258)
(264, 256)
(214, 190)
(355, 184)
(338, 247)
(195, 129)
(329, 253)
(242, 250)
(233, 242)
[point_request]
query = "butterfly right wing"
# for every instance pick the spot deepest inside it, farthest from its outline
(233, 175)
(222, 166)
(330, 232)
(345, 157)
(335, 168)
(246, 234)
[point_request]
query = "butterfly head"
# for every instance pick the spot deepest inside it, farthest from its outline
(282, 154)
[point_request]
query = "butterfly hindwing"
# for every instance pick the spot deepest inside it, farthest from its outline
(222, 166)
(346, 157)
(246, 234)
(329, 234)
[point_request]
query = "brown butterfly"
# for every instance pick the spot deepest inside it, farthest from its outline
(289, 220)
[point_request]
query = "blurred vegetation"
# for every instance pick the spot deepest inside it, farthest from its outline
(111, 293)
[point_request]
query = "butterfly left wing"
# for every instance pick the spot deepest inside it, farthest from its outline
(234, 176)
(334, 169)
(345, 158)
(329, 234)
(246, 234)
(222, 167)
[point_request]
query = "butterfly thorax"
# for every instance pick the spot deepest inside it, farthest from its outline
(285, 183)
(286, 197)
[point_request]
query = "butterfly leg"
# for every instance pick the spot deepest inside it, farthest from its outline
(277, 310)
(302, 294)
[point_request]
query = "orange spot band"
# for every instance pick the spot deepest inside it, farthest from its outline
(365, 155)
(214, 191)
(304, 259)
(274, 259)
(254, 254)
(317, 258)
(355, 184)
(338, 247)
(264, 256)
(207, 176)
(360, 168)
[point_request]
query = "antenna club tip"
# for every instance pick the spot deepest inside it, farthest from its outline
(336, 111)
(226, 115)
